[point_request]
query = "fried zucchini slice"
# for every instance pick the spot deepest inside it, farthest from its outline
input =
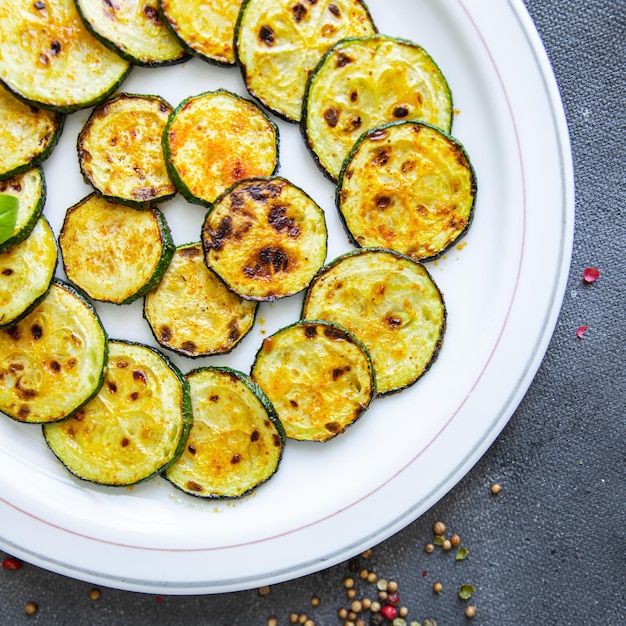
(390, 303)
(134, 428)
(265, 238)
(48, 56)
(318, 376)
(28, 134)
(192, 312)
(26, 272)
(30, 190)
(279, 42)
(215, 139)
(409, 187)
(113, 252)
(53, 360)
(120, 151)
(236, 441)
(205, 28)
(133, 29)
(364, 82)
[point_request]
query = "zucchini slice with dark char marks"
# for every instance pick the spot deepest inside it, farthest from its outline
(318, 376)
(390, 303)
(113, 252)
(26, 272)
(192, 312)
(120, 151)
(134, 428)
(236, 441)
(266, 238)
(364, 82)
(53, 360)
(279, 42)
(134, 30)
(48, 57)
(409, 187)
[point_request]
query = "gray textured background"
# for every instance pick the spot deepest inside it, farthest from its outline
(550, 549)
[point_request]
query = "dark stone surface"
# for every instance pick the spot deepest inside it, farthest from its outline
(550, 548)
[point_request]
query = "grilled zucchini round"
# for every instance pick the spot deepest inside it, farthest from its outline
(53, 360)
(279, 42)
(134, 428)
(135, 30)
(28, 134)
(215, 139)
(236, 441)
(26, 272)
(30, 190)
(48, 57)
(390, 303)
(409, 187)
(318, 376)
(120, 151)
(265, 238)
(192, 312)
(113, 252)
(205, 28)
(364, 82)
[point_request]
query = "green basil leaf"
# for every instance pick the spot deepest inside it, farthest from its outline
(8, 216)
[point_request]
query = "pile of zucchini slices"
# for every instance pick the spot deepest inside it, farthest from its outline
(375, 112)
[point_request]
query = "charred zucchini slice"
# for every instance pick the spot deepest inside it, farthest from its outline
(409, 187)
(279, 42)
(26, 272)
(30, 190)
(215, 139)
(28, 134)
(48, 57)
(134, 428)
(113, 252)
(192, 312)
(236, 441)
(53, 360)
(120, 151)
(318, 376)
(135, 30)
(266, 238)
(205, 28)
(364, 82)
(390, 303)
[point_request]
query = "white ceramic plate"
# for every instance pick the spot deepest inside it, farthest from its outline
(503, 289)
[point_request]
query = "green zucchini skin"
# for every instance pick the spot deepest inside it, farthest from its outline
(36, 384)
(236, 442)
(135, 428)
(383, 202)
(30, 190)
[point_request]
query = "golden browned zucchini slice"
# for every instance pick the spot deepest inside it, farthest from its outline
(192, 312)
(113, 252)
(236, 441)
(28, 134)
(120, 151)
(30, 190)
(215, 139)
(318, 376)
(205, 28)
(409, 187)
(26, 272)
(133, 29)
(364, 82)
(50, 58)
(279, 42)
(134, 428)
(265, 238)
(390, 303)
(53, 360)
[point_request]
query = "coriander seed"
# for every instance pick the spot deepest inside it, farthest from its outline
(31, 608)
(403, 611)
(496, 489)
(455, 540)
(348, 583)
(437, 587)
(264, 590)
(470, 611)
(439, 528)
(356, 606)
(94, 594)
(446, 545)
(272, 621)
(392, 586)
(342, 613)
(372, 577)
(363, 574)
(429, 547)
(315, 601)
(351, 593)
(367, 554)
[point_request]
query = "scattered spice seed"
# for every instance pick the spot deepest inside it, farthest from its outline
(375, 607)
(272, 621)
(461, 553)
(393, 598)
(381, 585)
(351, 593)
(392, 586)
(438, 540)
(342, 613)
(348, 583)
(470, 611)
(367, 554)
(399, 621)
(356, 606)
(31, 608)
(363, 574)
(439, 528)
(437, 587)
(455, 540)
(264, 590)
(315, 601)
(446, 545)
(591, 274)
(389, 612)
(372, 577)
(382, 595)
(403, 611)
(496, 489)
(581, 330)
(465, 591)
(429, 547)
(366, 603)
(94, 594)
(293, 618)
(11, 563)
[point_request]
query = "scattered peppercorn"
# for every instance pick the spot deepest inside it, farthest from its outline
(381, 585)
(367, 554)
(429, 547)
(342, 613)
(437, 587)
(363, 574)
(351, 593)
(315, 601)
(293, 618)
(94, 594)
(348, 583)
(455, 540)
(264, 590)
(439, 528)
(470, 611)
(496, 489)
(372, 577)
(31, 608)
(356, 606)
(403, 611)
(389, 612)
(11, 563)
(392, 586)
(272, 621)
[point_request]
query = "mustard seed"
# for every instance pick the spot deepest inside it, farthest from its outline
(351, 593)
(356, 606)
(375, 607)
(360, 622)
(496, 489)
(342, 613)
(372, 577)
(429, 547)
(272, 621)
(309, 622)
(349, 623)
(470, 611)
(382, 595)
(363, 574)
(439, 528)
(94, 594)
(455, 540)
(446, 545)
(315, 601)
(352, 616)
(31, 608)
(403, 611)
(264, 590)
(392, 586)
(437, 587)
(293, 618)
(302, 618)
(366, 603)
(348, 583)
(367, 554)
